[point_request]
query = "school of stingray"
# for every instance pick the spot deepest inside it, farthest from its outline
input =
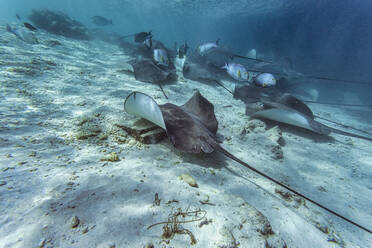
(192, 127)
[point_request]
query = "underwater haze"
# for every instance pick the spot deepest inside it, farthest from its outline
(185, 123)
(323, 37)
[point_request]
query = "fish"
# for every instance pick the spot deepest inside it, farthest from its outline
(29, 26)
(101, 21)
(264, 80)
(18, 17)
(236, 71)
(208, 47)
(161, 57)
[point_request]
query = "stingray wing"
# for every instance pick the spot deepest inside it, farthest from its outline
(146, 71)
(203, 110)
(186, 131)
(144, 106)
(251, 93)
(292, 117)
(296, 104)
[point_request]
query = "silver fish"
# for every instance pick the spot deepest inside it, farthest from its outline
(264, 80)
(236, 71)
(161, 57)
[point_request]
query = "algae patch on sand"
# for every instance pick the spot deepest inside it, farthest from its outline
(112, 157)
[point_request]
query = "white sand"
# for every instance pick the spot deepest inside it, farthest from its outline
(49, 95)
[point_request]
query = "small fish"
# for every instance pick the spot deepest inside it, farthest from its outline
(236, 71)
(264, 80)
(161, 57)
(182, 50)
(18, 17)
(208, 47)
(142, 36)
(29, 26)
(101, 21)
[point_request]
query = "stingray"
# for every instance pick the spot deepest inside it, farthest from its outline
(270, 103)
(203, 72)
(146, 70)
(192, 128)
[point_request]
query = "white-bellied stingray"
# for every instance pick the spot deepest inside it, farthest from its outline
(192, 127)
(271, 104)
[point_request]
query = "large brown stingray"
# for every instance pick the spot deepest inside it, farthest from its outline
(269, 103)
(192, 127)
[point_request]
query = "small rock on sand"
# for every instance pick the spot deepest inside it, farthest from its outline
(74, 222)
(112, 157)
(189, 179)
(42, 243)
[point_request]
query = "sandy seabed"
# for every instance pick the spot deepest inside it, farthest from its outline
(62, 185)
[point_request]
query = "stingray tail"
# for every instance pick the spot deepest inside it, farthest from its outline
(228, 154)
(334, 130)
(166, 97)
(223, 86)
(328, 130)
(245, 57)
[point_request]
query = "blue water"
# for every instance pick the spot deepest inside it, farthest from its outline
(328, 39)
(322, 38)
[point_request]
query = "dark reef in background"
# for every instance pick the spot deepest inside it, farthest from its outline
(59, 23)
